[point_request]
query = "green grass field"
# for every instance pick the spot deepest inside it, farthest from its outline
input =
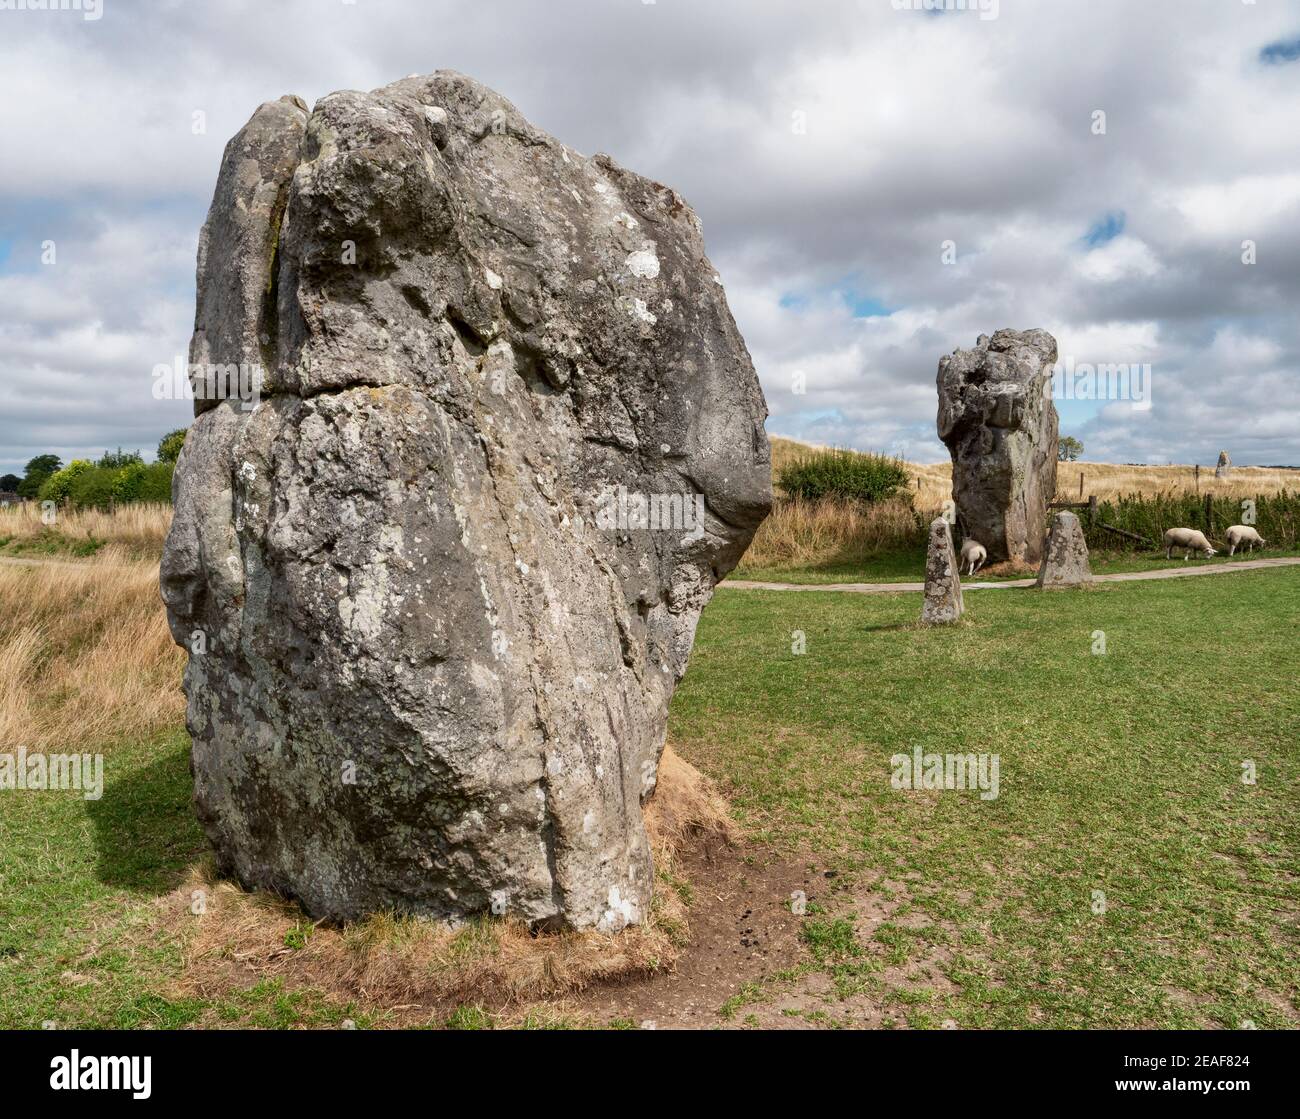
(1120, 773)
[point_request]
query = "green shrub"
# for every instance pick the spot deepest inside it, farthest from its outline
(126, 482)
(169, 446)
(851, 475)
(93, 488)
(156, 482)
(58, 485)
(83, 485)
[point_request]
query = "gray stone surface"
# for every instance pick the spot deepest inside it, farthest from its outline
(1223, 470)
(998, 421)
(943, 602)
(1065, 559)
(440, 632)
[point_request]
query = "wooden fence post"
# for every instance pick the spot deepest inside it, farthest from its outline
(1196, 474)
(1092, 508)
(1080, 485)
(1209, 513)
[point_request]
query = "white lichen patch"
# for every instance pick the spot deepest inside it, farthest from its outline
(643, 263)
(640, 311)
(494, 281)
(621, 912)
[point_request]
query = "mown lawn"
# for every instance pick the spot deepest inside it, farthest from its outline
(1120, 773)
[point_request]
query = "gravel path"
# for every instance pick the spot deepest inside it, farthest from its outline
(1118, 577)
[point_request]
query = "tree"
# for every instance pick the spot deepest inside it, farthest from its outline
(38, 470)
(9, 483)
(1070, 448)
(169, 446)
(59, 484)
(115, 460)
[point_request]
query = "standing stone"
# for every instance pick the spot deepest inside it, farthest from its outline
(943, 603)
(1065, 560)
(440, 580)
(1224, 469)
(997, 418)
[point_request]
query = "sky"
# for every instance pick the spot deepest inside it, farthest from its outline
(879, 185)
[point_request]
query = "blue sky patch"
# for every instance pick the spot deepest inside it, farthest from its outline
(1284, 50)
(862, 305)
(1105, 229)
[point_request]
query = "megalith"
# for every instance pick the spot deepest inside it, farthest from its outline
(998, 421)
(1223, 470)
(1065, 558)
(439, 572)
(943, 603)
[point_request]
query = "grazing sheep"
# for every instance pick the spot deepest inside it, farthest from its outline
(973, 556)
(1190, 538)
(1240, 536)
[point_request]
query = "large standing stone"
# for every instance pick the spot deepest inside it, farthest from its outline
(439, 584)
(1223, 471)
(943, 602)
(1065, 559)
(997, 418)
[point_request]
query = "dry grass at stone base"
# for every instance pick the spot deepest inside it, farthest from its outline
(404, 970)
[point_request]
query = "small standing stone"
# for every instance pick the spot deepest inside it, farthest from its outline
(1224, 469)
(943, 603)
(1065, 558)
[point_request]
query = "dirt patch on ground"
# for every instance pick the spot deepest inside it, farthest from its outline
(742, 932)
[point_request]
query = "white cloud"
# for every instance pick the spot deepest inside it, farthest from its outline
(919, 130)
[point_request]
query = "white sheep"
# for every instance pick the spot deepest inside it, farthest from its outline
(973, 556)
(1241, 535)
(1190, 538)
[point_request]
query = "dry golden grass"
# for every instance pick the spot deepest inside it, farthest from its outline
(800, 533)
(931, 483)
(138, 530)
(812, 534)
(85, 656)
(405, 969)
